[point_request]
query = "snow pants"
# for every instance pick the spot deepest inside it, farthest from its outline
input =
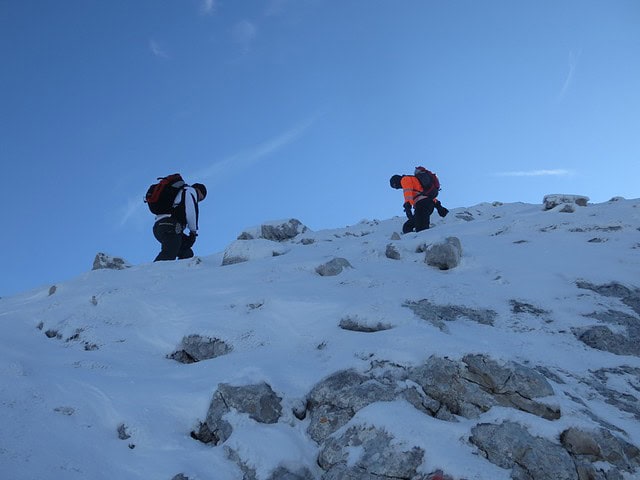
(175, 244)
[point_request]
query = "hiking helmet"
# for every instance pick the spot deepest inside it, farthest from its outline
(201, 188)
(395, 180)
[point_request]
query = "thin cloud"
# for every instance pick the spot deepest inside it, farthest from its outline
(208, 7)
(536, 173)
(275, 7)
(230, 165)
(156, 50)
(573, 63)
(244, 33)
(246, 158)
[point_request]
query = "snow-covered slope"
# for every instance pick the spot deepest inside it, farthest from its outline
(84, 364)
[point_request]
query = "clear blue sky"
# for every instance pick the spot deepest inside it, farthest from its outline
(299, 108)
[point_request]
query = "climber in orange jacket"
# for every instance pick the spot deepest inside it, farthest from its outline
(423, 203)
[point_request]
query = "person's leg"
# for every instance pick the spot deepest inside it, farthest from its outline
(185, 246)
(169, 233)
(408, 226)
(422, 216)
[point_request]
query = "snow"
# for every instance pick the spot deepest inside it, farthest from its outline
(63, 398)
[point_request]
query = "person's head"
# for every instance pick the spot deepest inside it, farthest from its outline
(201, 189)
(395, 180)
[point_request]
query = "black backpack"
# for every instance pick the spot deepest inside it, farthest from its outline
(429, 181)
(160, 196)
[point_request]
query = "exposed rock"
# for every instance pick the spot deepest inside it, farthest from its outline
(355, 324)
(335, 400)
(195, 348)
(282, 473)
(601, 446)
(445, 255)
(512, 385)
(278, 231)
(333, 267)
(523, 307)
(477, 384)
(438, 314)
(466, 216)
(246, 250)
(553, 200)
(248, 473)
(510, 445)
(395, 236)
(605, 381)
(52, 289)
(122, 432)
(601, 337)
(259, 401)
(368, 453)
(104, 261)
(629, 296)
(392, 252)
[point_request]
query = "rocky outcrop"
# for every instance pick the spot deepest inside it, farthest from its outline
(104, 261)
(368, 453)
(510, 445)
(439, 314)
(625, 340)
(567, 201)
(580, 455)
(277, 231)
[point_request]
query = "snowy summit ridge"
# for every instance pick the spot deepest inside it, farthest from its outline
(341, 354)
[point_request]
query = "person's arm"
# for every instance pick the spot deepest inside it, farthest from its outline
(191, 209)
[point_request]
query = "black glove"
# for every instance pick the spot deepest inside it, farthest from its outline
(407, 210)
(442, 211)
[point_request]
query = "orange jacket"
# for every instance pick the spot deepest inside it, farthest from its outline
(412, 189)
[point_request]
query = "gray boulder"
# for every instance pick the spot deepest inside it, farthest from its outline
(195, 348)
(259, 401)
(392, 252)
(278, 231)
(378, 456)
(510, 445)
(444, 255)
(333, 267)
(104, 261)
(355, 324)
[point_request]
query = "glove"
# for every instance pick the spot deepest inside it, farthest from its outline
(407, 210)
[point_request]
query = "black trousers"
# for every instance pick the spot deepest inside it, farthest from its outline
(175, 244)
(422, 211)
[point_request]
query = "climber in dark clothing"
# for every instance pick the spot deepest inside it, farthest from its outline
(169, 228)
